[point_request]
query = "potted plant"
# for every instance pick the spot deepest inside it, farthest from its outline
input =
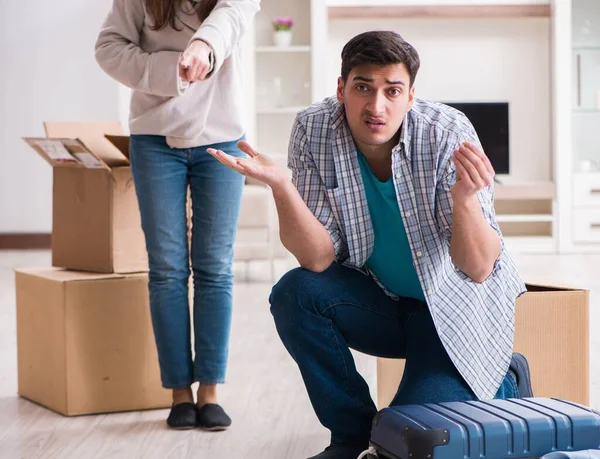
(282, 36)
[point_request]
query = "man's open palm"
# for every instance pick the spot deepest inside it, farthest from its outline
(257, 166)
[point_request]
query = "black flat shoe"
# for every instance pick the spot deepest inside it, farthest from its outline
(212, 417)
(183, 416)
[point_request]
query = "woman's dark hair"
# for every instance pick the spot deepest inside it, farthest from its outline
(379, 48)
(164, 12)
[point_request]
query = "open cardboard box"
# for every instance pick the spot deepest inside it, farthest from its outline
(95, 218)
(551, 330)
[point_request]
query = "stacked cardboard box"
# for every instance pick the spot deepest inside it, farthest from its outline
(84, 335)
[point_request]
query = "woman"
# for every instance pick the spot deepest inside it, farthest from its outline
(182, 60)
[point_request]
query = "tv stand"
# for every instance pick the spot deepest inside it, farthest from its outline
(526, 213)
(517, 190)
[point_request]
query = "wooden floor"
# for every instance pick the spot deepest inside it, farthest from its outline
(271, 412)
(272, 416)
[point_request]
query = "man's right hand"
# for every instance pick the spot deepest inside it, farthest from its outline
(257, 166)
(301, 233)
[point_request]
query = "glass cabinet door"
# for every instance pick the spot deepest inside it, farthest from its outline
(586, 78)
(585, 22)
(585, 54)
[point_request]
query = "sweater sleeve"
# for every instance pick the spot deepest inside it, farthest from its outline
(119, 54)
(225, 26)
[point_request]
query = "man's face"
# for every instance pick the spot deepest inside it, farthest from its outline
(376, 99)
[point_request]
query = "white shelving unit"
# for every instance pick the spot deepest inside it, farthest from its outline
(527, 212)
(281, 80)
(579, 23)
(279, 50)
(279, 110)
(435, 3)
(558, 215)
(277, 84)
(525, 218)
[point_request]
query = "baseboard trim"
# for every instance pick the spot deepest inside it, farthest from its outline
(25, 241)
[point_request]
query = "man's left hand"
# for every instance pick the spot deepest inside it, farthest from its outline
(474, 172)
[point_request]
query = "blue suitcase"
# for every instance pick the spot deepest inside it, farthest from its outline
(495, 429)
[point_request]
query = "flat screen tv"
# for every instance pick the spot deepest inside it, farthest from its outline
(490, 120)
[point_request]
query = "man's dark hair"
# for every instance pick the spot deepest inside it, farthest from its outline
(379, 48)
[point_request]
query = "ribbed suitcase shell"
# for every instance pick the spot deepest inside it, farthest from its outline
(495, 429)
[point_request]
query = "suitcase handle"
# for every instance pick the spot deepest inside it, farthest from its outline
(370, 453)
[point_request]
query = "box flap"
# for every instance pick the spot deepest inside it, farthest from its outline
(64, 275)
(121, 142)
(65, 153)
(541, 284)
(92, 135)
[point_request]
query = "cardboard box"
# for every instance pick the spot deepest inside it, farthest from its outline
(96, 223)
(551, 330)
(85, 342)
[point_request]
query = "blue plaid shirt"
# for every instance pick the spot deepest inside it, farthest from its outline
(475, 321)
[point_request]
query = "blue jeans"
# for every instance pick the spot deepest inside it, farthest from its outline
(162, 175)
(320, 316)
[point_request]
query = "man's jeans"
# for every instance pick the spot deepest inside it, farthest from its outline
(319, 316)
(162, 175)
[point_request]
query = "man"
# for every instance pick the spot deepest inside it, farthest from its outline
(390, 215)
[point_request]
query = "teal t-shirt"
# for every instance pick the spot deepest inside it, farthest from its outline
(391, 261)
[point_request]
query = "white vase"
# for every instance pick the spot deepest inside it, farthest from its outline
(282, 38)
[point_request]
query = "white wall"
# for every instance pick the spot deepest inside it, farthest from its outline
(48, 73)
(478, 60)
